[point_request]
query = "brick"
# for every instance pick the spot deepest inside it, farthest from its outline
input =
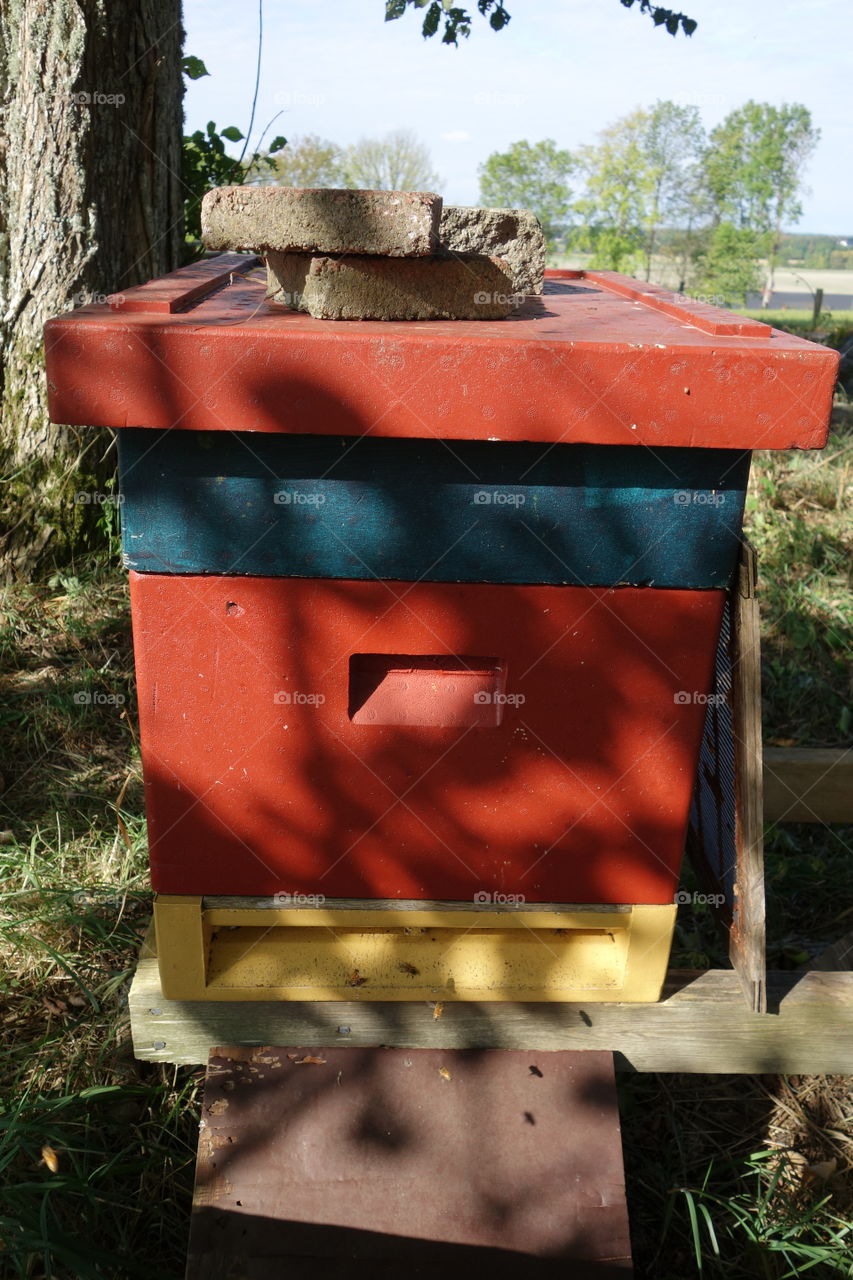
(467, 287)
(398, 224)
(512, 234)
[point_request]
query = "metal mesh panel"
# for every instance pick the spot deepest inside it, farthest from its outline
(712, 830)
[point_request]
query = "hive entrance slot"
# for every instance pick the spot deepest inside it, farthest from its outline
(440, 690)
(370, 950)
(382, 963)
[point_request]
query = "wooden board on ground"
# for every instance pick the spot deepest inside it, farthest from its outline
(701, 1024)
(347, 1162)
(808, 784)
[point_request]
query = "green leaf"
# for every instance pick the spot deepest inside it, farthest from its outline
(694, 1229)
(194, 68)
(712, 1235)
(432, 20)
(232, 133)
(394, 9)
(277, 143)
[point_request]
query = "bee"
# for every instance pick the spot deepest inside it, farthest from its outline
(355, 979)
(437, 1010)
(50, 1158)
(405, 967)
(444, 1073)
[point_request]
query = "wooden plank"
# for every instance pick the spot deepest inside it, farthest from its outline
(747, 932)
(174, 292)
(330, 507)
(808, 784)
(701, 1025)
(579, 364)
(837, 957)
(502, 907)
(706, 318)
(387, 1162)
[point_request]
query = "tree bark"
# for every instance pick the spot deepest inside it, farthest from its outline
(90, 203)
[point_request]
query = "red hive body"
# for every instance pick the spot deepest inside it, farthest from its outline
(402, 727)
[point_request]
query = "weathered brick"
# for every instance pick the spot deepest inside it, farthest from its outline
(512, 234)
(464, 287)
(398, 224)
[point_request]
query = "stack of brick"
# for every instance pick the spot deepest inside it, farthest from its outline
(380, 255)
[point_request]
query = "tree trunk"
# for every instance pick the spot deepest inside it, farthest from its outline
(772, 254)
(90, 203)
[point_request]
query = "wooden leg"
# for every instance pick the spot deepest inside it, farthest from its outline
(183, 946)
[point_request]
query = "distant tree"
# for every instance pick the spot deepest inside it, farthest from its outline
(729, 269)
(754, 167)
(457, 21)
(531, 176)
(397, 162)
(617, 193)
(673, 143)
(642, 176)
(304, 162)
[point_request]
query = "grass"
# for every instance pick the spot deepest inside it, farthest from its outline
(727, 1176)
(800, 316)
(749, 1176)
(90, 1139)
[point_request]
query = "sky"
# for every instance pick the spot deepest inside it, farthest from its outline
(562, 69)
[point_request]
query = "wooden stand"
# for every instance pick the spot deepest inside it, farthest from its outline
(701, 1024)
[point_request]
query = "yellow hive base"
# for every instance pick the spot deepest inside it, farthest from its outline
(435, 952)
